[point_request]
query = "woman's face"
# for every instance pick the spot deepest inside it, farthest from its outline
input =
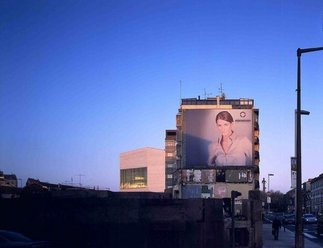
(225, 127)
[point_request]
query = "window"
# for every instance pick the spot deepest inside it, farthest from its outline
(170, 143)
(169, 154)
(170, 165)
(133, 178)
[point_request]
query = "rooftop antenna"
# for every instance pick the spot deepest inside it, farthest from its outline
(221, 91)
(180, 91)
(80, 179)
(206, 94)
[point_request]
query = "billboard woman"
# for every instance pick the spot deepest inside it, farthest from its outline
(230, 148)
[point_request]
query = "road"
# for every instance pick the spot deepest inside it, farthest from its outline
(310, 230)
(309, 233)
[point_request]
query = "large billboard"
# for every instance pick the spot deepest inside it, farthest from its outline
(217, 137)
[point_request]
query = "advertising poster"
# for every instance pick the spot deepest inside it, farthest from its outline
(293, 172)
(217, 137)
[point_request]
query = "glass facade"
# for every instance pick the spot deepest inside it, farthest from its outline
(133, 178)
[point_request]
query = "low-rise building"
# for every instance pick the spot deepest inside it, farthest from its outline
(142, 170)
(9, 186)
(9, 180)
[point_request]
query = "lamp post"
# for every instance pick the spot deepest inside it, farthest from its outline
(299, 239)
(264, 185)
(269, 175)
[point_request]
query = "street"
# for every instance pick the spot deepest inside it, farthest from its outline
(309, 232)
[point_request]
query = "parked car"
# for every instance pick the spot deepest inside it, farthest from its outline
(10, 239)
(309, 219)
(289, 219)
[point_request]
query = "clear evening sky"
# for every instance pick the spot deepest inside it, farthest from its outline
(83, 81)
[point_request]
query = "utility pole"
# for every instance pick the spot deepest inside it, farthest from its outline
(80, 179)
(299, 238)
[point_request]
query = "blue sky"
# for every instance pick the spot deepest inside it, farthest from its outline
(83, 81)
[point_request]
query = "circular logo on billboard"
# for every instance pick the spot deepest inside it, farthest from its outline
(242, 114)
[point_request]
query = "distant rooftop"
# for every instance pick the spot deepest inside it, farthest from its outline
(235, 103)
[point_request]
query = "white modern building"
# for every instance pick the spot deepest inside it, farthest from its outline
(142, 170)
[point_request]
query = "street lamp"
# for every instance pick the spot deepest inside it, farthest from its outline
(269, 201)
(264, 185)
(299, 239)
(269, 175)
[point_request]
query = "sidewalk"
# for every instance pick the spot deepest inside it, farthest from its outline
(286, 239)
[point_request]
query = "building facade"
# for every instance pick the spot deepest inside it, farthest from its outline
(170, 158)
(306, 189)
(204, 169)
(8, 180)
(217, 156)
(142, 170)
(317, 194)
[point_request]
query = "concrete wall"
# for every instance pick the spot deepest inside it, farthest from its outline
(116, 222)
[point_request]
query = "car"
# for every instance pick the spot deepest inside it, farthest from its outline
(289, 219)
(10, 239)
(309, 219)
